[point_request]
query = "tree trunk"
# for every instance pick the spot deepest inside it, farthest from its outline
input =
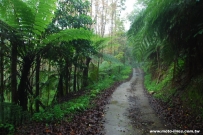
(14, 73)
(78, 80)
(96, 15)
(37, 82)
(22, 92)
(48, 90)
(69, 79)
(91, 9)
(1, 72)
(85, 72)
(98, 71)
(67, 76)
(1, 81)
(75, 79)
(60, 87)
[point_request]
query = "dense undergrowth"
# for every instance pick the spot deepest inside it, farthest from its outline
(168, 41)
(89, 121)
(178, 103)
(67, 109)
(161, 88)
(58, 111)
(166, 90)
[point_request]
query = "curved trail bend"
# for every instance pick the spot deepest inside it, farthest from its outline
(129, 111)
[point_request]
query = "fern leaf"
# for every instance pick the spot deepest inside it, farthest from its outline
(68, 35)
(32, 16)
(110, 58)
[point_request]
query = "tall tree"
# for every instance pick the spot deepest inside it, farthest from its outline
(1, 68)
(27, 41)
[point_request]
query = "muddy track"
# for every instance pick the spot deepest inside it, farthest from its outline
(129, 111)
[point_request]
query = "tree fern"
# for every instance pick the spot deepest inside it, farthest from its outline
(29, 18)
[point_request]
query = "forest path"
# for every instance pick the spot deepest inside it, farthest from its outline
(129, 111)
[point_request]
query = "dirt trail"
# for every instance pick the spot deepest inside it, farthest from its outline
(129, 112)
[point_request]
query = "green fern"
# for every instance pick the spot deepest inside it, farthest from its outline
(29, 18)
(68, 35)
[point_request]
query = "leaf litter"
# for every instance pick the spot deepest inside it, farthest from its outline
(88, 122)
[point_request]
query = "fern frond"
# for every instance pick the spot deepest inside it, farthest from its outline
(7, 13)
(68, 35)
(5, 26)
(30, 18)
(99, 42)
(110, 58)
(43, 11)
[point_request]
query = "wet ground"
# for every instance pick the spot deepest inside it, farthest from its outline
(122, 109)
(129, 111)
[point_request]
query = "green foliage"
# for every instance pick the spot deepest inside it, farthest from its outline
(74, 16)
(68, 35)
(44, 36)
(59, 111)
(162, 26)
(107, 78)
(9, 128)
(64, 109)
(162, 89)
(13, 114)
(162, 40)
(103, 84)
(99, 42)
(30, 17)
(193, 95)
